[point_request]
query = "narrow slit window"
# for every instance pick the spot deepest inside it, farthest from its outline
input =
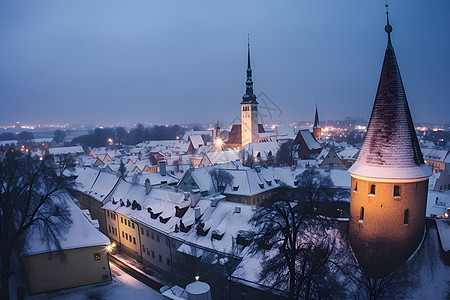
(372, 189)
(406, 217)
(356, 187)
(361, 214)
(396, 191)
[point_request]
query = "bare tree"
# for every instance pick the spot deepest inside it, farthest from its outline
(299, 240)
(27, 186)
(220, 179)
(285, 155)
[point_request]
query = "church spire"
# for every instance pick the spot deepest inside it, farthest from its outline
(316, 119)
(249, 96)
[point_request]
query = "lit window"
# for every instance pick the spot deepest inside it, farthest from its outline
(396, 191)
(96, 256)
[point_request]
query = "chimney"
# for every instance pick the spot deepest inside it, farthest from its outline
(164, 185)
(197, 213)
(195, 196)
(162, 167)
(258, 169)
(216, 200)
(186, 196)
(148, 186)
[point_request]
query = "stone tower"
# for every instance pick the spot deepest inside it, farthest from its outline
(389, 180)
(317, 131)
(249, 109)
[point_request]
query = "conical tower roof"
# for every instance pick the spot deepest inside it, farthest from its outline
(390, 148)
(316, 119)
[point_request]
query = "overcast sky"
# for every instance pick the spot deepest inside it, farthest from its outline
(184, 61)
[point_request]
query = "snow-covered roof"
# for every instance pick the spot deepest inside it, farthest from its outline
(221, 219)
(436, 154)
(160, 201)
(349, 153)
(66, 150)
(81, 233)
(197, 141)
(263, 149)
(437, 203)
(311, 143)
(197, 132)
(221, 157)
(103, 185)
(155, 178)
(285, 132)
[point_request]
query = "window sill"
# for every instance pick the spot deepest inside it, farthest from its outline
(361, 221)
(372, 195)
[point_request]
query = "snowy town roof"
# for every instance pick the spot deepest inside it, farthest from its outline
(262, 150)
(155, 178)
(310, 141)
(223, 220)
(285, 132)
(220, 157)
(197, 132)
(81, 233)
(66, 150)
(435, 154)
(162, 202)
(390, 148)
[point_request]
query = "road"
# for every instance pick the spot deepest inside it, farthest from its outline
(142, 278)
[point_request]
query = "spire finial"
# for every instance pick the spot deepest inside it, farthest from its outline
(388, 27)
(248, 51)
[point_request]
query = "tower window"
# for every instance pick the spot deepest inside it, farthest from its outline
(396, 191)
(406, 217)
(372, 190)
(356, 187)
(361, 214)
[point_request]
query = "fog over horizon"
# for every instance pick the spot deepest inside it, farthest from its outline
(178, 62)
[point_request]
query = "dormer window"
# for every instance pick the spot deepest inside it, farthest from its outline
(235, 188)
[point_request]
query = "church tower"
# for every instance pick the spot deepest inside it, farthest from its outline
(217, 133)
(317, 131)
(249, 109)
(389, 179)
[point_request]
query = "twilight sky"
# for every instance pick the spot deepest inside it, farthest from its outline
(88, 61)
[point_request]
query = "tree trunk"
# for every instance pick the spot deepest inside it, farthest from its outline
(292, 281)
(5, 276)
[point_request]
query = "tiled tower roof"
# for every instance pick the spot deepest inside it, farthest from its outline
(390, 148)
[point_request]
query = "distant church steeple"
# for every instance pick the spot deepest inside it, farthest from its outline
(317, 131)
(249, 108)
(389, 179)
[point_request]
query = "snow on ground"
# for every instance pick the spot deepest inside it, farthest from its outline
(122, 286)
